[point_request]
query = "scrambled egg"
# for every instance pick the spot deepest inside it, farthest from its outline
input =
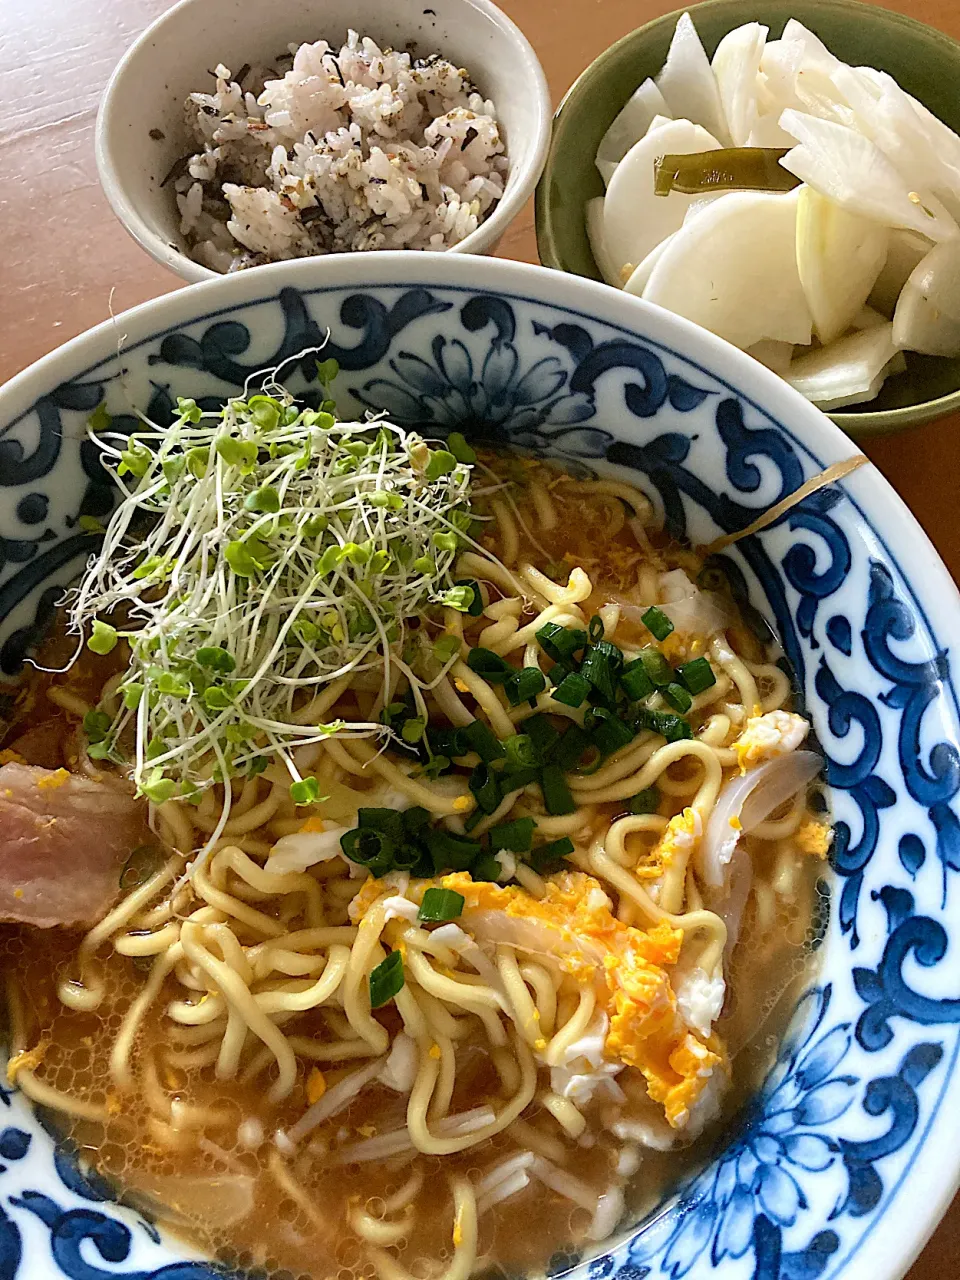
(679, 839)
(316, 1086)
(53, 780)
(27, 1060)
(574, 923)
(814, 838)
(773, 734)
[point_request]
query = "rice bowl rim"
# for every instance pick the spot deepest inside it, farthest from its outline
(116, 174)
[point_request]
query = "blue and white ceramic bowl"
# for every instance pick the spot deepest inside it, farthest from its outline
(849, 1155)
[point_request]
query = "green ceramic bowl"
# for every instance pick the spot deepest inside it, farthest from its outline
(925, 62)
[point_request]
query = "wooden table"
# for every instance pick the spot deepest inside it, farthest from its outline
(64, 256)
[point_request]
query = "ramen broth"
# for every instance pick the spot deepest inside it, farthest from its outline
(212, 1151)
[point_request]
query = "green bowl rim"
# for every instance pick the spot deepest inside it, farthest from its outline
(877, 422)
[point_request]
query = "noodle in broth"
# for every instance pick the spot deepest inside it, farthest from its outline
(563, 1045)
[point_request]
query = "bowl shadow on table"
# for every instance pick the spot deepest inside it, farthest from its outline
(925, 62)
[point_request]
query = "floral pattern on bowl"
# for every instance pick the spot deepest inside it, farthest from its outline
(844, 1158)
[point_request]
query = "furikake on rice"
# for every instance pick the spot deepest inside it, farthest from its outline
(327, 152)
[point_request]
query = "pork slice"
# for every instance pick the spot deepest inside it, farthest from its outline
(63, 841)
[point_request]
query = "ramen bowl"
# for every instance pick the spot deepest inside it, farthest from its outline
(845, 1158)
(924, 61)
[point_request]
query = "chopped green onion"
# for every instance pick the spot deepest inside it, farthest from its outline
(386, 980)
(406, 857)
(450, 852)
(672, 727)
(521, 752)
(571, 747)
(697, 675)
(601, 666)
(646, 801)
(608, 732)
(515, 837)
(656, 666)
(381, 819)
(458, 446)
(439, 905)
(559, 642)
(560, 670)
(485, 788)
(444, 740)
(595, 628)
(543, 735)
(490, 665)
(572, 690)
(215, 658)
(415, 820)
(549, 857)
(475, 607)
(634, 680)
(306, 791)
(517, 779)
(371, 849)
(556, 794)
(678, 697)
(440, 463)
(657, 623)
(473, 819)
(103, 638)
(96, 725)
(488, 868)
(524, 685)
(481, 739)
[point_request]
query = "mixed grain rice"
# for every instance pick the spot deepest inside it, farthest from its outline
(361, 149)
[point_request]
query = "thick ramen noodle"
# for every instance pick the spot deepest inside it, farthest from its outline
(481, 982)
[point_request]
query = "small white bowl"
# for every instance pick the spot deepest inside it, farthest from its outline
(145, 95)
